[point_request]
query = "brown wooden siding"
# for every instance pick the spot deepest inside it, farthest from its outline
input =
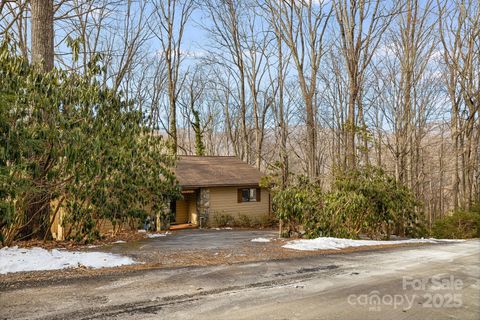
(224, 201)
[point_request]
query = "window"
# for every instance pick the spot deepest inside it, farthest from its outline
(249, 195)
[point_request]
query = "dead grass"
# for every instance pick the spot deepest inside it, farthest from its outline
(71, 245)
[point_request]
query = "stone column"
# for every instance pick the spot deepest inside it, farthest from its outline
(203, 206)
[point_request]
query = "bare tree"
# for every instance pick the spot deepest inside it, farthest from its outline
(459, 23)
(14, 17)
(191, 101)
(227, 34)
(302, 25)
(361, 25)
(411, 45)
(278, 91)
(168, 26)
(334, 82)
(256, 42)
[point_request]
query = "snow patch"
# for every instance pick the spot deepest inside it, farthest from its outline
(120, 241)
(16, 259)
(448, 240)
(260, 240)
(157, 235)
(327, 243)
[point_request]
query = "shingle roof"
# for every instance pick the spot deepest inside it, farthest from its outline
(197, 171)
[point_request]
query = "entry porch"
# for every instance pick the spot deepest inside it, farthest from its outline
(184, 213)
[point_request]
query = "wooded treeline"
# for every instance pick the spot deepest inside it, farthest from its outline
(292, 86)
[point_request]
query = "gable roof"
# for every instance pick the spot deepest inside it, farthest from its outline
(199, 171)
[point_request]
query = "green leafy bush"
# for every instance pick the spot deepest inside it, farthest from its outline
(365, 201)
(298, 203)
(66, 139)
(244, 221)
(223, 220)
(264, 221)
(458, 225)
(343, 214)
(370, 201)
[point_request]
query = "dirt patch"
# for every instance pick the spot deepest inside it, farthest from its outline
(126, 236)
(247, 253)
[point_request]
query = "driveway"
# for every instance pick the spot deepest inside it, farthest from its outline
(430, 282)
(203, 239)
(202, 247)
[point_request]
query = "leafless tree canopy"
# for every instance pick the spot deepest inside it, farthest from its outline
(290, 86)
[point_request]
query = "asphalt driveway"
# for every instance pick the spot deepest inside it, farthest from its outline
(190, 239)
(200, 247)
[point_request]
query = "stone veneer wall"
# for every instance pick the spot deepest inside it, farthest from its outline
(203, 206)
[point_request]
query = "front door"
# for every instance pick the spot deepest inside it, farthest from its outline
(181, 211)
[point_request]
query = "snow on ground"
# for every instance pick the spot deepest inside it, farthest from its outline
(16, 259)
(157, 235)
(120, 241)
(260, 240)
(326, 243)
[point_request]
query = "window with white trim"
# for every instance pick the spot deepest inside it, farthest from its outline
(248, 195)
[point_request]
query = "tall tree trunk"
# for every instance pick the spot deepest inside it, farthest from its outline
(283, 123)
(172, 125)
(38, 209)
(456, 178)
(243, 112)
(351, 124)
(363, 131)
(311, 138)
(476, 165)
(379, 137)
(42, 33)
(441, 169)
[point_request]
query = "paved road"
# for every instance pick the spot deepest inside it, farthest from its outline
(342, 286)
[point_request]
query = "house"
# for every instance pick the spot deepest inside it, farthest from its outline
(213, 185)
(210, 186)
